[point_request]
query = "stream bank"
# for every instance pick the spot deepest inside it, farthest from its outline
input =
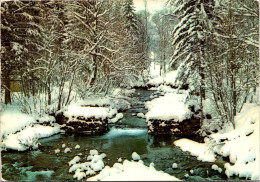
(125, 137)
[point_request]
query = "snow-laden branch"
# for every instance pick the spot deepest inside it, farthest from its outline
(248, 41)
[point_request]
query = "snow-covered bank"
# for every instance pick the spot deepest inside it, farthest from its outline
(167, 107)
(132, 171)
(200, 150)
(21, 132)
(167, 79)
(241, 145)
(172, 110)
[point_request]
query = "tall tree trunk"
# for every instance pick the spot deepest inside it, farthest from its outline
(49, 92)
(7, 86)
(94, 75)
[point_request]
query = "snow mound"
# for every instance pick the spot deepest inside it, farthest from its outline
(93, 152)
(28, 137)
(131, 171)
(57, 151)
(167, 107)
(155, 81)
(174, 165)
(170, 77)
(135, 156)
(13, 121)
(241, 144)
(94, 165)
(216, 168)
(200, 150)
(140, 115)
(87, 112)
(115, 119)
(74, 160)
(67, 150)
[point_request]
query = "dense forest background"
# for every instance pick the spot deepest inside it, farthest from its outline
(54, 48)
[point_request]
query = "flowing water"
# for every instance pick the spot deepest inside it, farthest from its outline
(121, 141)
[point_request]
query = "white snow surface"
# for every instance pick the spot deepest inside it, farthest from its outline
(167, 107)
(67, 150)
(156, 81)
(13, 121)
(84, 169)
(241, 144)
(174, 165)
(87, 112)
(170, 77)
(93, 152)
(28, 137)
(140, 115)
(132, 171)
(200, 150)
(74, 160)
(135, 156)
(115, 119)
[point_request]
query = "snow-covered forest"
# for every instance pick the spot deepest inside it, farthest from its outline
(130, 90)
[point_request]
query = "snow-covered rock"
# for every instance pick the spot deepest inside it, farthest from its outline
(115, 119)
(131, 171)
(155, 81)
(174, 165)
(241, 144)
(74, 160)
(93, 152)
(57, 151)
(151, 164)
(20, 131)
(167, 107)
(135, 156)
(86, 112)
(67, 150)
(28, 137)
(140, 115)
(200, 150)
(79, 175)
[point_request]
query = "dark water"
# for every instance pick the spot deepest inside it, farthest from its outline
(121, 141)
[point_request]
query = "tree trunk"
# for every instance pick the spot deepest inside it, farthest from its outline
(7, 87)
(49, 92)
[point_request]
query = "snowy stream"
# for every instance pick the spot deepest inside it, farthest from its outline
(121, 141)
